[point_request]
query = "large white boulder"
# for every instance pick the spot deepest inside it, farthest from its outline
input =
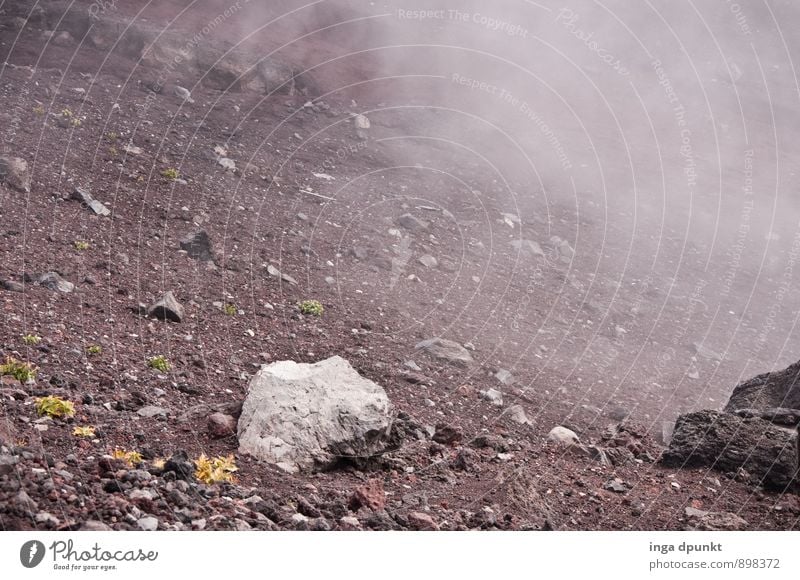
(303, 416)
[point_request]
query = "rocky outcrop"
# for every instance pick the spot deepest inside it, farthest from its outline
(727, 442)
(312, 416)
(779, 389)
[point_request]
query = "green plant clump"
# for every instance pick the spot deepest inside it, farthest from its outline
(31, 339)
(170, 173)
(159, 363)
(21, 371)
(54, 407)
(81, 245)
(230, 309)
(94, 349)
(311, 307)
(132, 458)
(216, 470)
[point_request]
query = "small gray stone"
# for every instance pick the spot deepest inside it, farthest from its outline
(23, 500)
(444, 349)
(528, 247)
(505, 377)
(275, 273)
(717, 522)
(14, 172)
(141, 494)
(412, 223)
(183, 94)
(494, 396)
(349, 523)
(7, 463)
(517, 414)
(221, 425)
(47, 519)
(412, 365)
(428, 261)
(168, 308)
(86, 198)
(616, 485)
(53, 281)
(147, 524)
(95, 526)
(563, 436)
(152, 411)
(98, 208)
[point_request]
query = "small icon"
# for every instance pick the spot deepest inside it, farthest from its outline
(32, 553)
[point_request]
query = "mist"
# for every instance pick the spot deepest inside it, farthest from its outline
(655, 140)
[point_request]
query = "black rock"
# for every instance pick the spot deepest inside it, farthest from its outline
(447, 434)
(198, 246)
(776, 390)
(11, 286)
(727, 442)
(113, 486)
(168, 308)
(180, 465)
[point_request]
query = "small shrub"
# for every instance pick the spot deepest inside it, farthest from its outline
(85, 431)
(132, 458)
(31, 339)
(217, 470)
(54, 407)
(81, 245)
(21, 371)
(70, 117)
(170, 173)
(39, 110)
(112, 136)
(94, 349)
(159, 363)
(159, 463)
(311, 307)
(230, 309)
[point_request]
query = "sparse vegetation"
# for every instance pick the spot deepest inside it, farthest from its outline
(85, 431)
(217, 470)
(38, 110)
(31, 339)
(81, 245)
(159, 363)
(311, 307)
(132, 458)
(112, 136)
(230, 309)
(21, 371)
(70, 117)
(170, 173)
(94, 349)
(54, 407)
